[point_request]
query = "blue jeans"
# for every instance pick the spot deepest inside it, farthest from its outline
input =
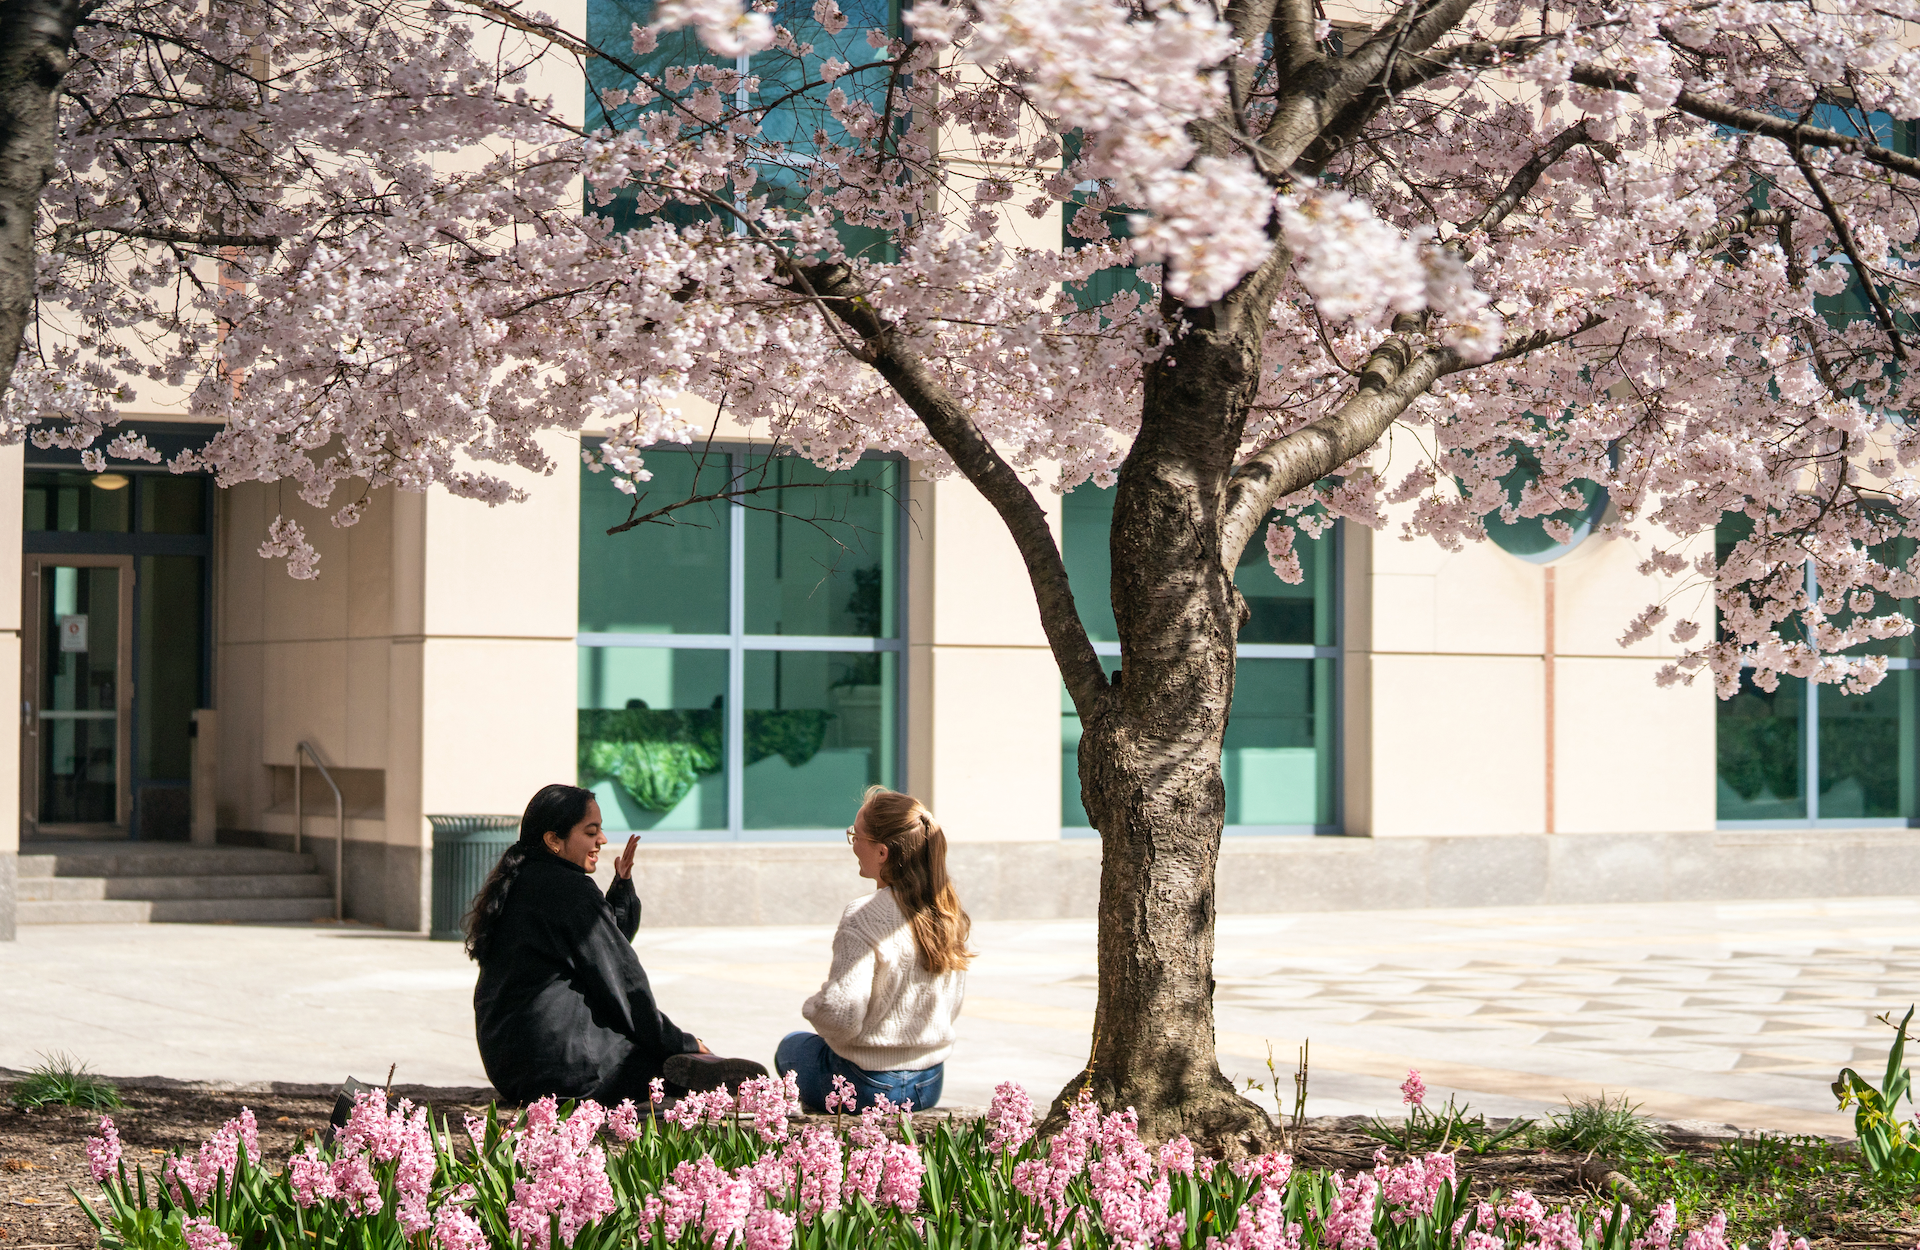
(814, 1065)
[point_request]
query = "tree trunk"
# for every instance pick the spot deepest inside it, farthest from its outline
(1150, 766)
(36, 44)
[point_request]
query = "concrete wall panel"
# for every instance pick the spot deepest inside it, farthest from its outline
(1457, 745)
(491, 731)
(1631, 756)
(996, 743)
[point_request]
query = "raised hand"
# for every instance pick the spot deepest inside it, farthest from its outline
(623, 866)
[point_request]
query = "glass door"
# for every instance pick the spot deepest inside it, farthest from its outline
(78, 694)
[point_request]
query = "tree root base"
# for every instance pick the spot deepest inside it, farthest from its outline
(1214, 1116)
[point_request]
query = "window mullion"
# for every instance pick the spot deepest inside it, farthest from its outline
(736, 658)
(1810, 724)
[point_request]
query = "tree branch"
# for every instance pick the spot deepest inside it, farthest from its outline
(1754, 121)
(1741, 223)
(954, 429)
(64, 236)
(1525, 178)
(1293, 45)
(1322, 92)
(1394, 376)
(1881, 312)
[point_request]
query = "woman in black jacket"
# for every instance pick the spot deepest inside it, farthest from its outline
(562, 1005)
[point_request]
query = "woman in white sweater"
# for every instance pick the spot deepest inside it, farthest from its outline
(884, 1018)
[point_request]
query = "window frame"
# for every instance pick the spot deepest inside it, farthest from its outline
(1810, 759)
(169, 439)
(737, 642)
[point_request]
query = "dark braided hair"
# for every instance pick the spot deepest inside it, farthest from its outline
(555, 809)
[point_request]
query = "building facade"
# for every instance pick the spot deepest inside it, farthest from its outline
(1411, 727)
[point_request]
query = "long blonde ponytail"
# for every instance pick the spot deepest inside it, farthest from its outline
(916, 871)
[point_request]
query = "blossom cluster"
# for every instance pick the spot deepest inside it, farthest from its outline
(1589, 227)
(217, 1158)
(375, 1134)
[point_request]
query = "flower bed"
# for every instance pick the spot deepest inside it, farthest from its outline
(716, 1172)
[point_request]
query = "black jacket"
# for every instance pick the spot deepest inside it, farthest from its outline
(562, 1005)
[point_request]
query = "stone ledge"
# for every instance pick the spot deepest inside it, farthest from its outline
(810, 883)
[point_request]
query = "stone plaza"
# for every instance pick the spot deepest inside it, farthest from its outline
(1737, 1013)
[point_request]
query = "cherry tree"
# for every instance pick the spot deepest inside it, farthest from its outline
(1376, 265)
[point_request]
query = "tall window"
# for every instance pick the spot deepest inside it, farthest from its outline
(1278, 757)
(740, 665)
(1807, 754)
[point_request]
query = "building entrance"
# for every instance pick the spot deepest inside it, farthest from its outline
(78, 699)
(114, 649)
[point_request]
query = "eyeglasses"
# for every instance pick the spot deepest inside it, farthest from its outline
(850, 835)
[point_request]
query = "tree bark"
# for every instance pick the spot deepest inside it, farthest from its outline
(1150, 768)
(36, 48)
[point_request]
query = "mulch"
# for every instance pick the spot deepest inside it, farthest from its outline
(42, 1152)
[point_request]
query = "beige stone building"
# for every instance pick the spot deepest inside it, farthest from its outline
(1411, 727)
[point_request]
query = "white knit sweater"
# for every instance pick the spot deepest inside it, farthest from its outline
(880, 1008)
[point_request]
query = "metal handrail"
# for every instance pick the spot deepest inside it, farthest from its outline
(340, 813)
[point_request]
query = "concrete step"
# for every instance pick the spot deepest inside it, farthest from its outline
(217, 886)
(176, 911)
(161, 859)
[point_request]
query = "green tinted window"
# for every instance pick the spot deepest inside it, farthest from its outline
(1760, 752)
(822, 549)
(665, 577)
(676, 668)
(1278, 756)
(819, 731)
(653, 736)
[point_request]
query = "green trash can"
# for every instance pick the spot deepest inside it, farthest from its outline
(465, 849)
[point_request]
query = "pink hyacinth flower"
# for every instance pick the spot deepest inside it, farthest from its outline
(768, 1230)
(455, 1229)
(310, 1177)
(1012, 1117)
(1659, 1234)
(103, 1150)
(1413, 1090)
(204, 1234)
(1712, 1237)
